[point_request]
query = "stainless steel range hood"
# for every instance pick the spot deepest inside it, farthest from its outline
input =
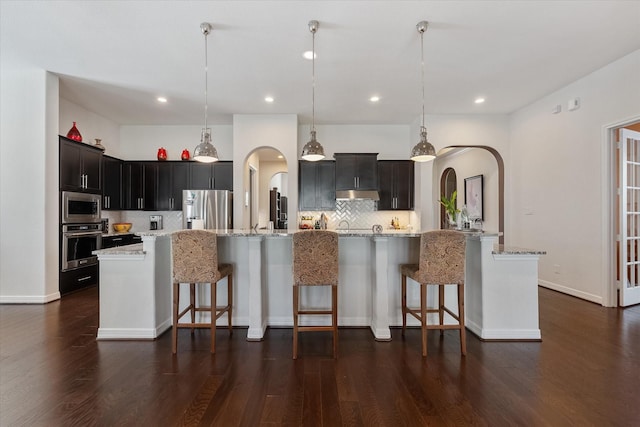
(357, 195)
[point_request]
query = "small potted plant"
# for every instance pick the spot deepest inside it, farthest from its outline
(450, 206)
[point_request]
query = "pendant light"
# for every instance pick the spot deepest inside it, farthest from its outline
(423, 150)
(312, 150)
(205, 151)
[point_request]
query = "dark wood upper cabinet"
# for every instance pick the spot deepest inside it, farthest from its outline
(133, 185)
(80, 166)
(211, 176)
(356, 171)
(172, 178)
(396, 184)
(111, 183)
(316, 185)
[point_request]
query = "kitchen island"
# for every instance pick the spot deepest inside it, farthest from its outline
(135, 288)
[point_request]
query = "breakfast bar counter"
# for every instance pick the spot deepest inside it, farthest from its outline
(135, 284)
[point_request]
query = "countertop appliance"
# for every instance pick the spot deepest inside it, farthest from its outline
(213, 207)
(155, 222)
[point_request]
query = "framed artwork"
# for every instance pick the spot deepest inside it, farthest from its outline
(473, 194)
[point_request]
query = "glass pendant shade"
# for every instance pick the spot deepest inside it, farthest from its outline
(205, 152)
(423, 151)
(313, 150)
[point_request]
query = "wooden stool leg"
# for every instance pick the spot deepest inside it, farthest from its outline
(192, 302)
(463, 332)
(334, 318)
(174, 332)
(423, 317)
(214, 293)
(230, 299)
(441, 307)
(404, 304)
(295, 321)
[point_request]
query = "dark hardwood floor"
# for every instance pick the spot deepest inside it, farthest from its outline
(54, 373)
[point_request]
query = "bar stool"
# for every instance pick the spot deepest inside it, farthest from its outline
(315, 263)
(442, 260)
(195, 260)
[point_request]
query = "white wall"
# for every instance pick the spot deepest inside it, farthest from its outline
(251, 132)
(445, 131)
(556, 173)
(28, 185)
(90, 125)
(142, 142)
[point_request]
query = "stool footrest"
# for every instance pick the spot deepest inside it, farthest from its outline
(315, 312)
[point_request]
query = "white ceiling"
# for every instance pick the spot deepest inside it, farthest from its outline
(116, 57)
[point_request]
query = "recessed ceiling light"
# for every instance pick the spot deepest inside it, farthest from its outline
(162, 99)
(309, 55)
(268, 99)
(374, 98)
(479, 100)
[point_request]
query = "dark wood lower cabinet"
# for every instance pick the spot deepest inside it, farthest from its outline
(80, 278)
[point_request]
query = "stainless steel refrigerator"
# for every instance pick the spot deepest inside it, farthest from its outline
(213, 207)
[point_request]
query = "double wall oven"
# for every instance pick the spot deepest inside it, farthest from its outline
(80, 235)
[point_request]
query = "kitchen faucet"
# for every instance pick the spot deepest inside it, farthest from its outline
(340, 224)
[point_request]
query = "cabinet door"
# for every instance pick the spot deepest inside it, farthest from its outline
(163, 188)
(92, 169)
(386, 186)
(179, 182)
(134, 181)
(405, 185)
(345, 171)
(111, 183)
(223, 176)
(70, 166)
(316, 185)
(396, 184)
(307, 185)
(150, 186)
(326, 185)
(201, 175)
(356, 171)
(367, 171)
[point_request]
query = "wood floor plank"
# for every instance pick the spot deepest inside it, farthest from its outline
(54, 373)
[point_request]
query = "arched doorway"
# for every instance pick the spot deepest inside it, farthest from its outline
(500, 182)
(448, 184)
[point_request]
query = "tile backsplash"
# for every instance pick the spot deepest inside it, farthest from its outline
(360, 214)
(172, 220)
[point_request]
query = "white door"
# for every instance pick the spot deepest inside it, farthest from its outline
(629, 220)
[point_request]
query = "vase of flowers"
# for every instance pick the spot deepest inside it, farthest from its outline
(450, 206)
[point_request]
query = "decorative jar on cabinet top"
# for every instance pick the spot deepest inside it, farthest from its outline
(74, 133)
(185, 155)
(162, 153)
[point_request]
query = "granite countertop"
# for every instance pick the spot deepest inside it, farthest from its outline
(512, 250)
(135, 249)
(290, 232)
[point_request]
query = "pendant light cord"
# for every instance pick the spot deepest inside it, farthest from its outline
(206, 80)
(422, 65)
(313, 81)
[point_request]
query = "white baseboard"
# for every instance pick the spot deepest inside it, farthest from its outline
(570, 291)
(29, 299)
(126, 334)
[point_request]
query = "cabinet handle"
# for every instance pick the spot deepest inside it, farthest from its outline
(82, 279)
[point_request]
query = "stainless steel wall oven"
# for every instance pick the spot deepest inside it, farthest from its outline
(78, 242)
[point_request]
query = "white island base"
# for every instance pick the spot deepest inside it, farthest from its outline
(500, 293)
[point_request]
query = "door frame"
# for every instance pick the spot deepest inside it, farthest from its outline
(608, 179)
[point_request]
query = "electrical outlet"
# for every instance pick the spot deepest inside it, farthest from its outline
(556, 268)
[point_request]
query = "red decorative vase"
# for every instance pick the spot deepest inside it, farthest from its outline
(74, 133)
(162, 154)
(185, 154)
